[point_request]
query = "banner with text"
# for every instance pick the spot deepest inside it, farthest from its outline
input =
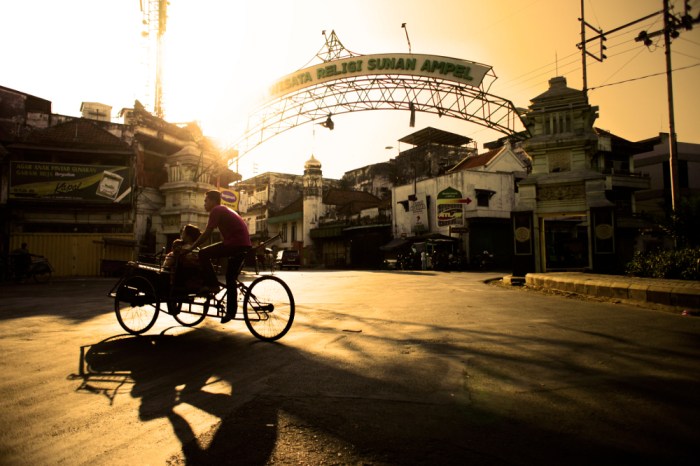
(230, 198)
(48, 181)
(450, 207)
(427, 66)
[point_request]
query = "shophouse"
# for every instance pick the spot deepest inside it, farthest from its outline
(328, 225)
(432, 154)
(91, 194)
(343, 223)
(655, 202)
(262, 196)
(471, 203)
(284, 204)
(355, 224)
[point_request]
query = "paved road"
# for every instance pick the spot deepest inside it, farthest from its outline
(379, 368)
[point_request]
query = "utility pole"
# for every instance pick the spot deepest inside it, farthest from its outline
(583, 50)
(670, 31)
(673, 143)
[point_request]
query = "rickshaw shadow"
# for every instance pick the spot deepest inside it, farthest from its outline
(167, 370)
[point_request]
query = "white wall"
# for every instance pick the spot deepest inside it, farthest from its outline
(467, 182)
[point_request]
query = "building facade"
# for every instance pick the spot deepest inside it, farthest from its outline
(654, 163)
(576, 209)
(91, 194)
(472, 203)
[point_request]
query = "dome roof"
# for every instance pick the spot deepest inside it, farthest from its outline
(312, 163)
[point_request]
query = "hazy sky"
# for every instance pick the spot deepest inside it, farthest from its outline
(218, 54)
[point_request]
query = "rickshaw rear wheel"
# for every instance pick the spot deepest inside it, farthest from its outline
(136, 304)
(188, 313)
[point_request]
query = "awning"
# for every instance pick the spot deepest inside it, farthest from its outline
(368, 227)
(285, 218)
(394, 244)
(327, 232)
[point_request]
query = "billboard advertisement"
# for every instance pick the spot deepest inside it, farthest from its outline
(419, 215)
(451, 205)
(230, 198)
(49, 181)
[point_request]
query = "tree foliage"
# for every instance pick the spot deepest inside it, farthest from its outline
(683, 226)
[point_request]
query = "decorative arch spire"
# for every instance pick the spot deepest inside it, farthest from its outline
(333, 49)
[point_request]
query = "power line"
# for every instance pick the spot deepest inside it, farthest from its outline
(688, 40)
(616, 36)
(639, 52)
(643, 77)
(675, 52)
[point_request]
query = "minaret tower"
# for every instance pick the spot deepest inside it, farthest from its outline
(313, 198)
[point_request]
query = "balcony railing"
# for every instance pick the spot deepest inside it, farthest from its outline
(355, 221)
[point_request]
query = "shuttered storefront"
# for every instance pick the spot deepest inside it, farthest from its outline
(78, 254)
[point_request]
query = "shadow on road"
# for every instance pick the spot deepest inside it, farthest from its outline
(283, 405)
(86, 298)
(165, 371)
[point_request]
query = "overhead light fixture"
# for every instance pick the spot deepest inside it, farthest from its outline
(403, 25)
(328, 123)
(644, 37)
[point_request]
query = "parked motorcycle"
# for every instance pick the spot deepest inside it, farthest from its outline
(39, 269)
(484, 260)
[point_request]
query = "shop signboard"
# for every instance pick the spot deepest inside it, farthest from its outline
(450, 207)
(230, 198)
(49, 181)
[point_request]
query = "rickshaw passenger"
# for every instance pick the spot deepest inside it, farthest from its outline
(236, 243)
(187, 263)
(188, 235)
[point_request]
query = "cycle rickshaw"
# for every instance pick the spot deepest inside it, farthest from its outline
(266, 304)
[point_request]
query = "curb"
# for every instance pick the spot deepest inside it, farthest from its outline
(676, 293)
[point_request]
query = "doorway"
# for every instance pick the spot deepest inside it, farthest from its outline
(566, 243)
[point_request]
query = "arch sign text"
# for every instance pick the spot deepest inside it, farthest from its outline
(427, 66)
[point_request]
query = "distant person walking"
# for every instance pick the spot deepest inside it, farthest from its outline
(22, 261)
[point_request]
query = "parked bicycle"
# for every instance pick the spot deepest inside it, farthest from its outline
(145, 290)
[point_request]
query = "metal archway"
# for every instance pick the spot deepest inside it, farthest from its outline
(312, 94)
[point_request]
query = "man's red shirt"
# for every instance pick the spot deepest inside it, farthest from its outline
(234, 231)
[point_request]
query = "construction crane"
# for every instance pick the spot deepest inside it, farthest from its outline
(155, 17)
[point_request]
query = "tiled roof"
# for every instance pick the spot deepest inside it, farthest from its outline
(294, 207)
(351, 202)
(79, 133)
(342, 197)
(475, 161)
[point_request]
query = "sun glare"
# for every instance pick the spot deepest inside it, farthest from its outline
(217, 67)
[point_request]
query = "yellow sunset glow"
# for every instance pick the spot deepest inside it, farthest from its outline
(220, 56)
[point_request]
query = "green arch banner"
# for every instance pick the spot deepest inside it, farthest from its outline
(418, 65)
